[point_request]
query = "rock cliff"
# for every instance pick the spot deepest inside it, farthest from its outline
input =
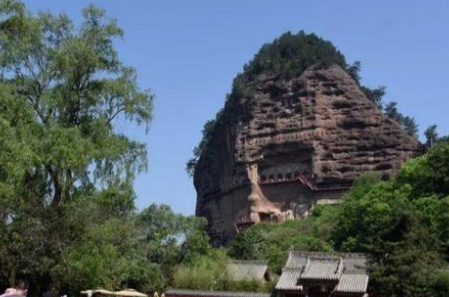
(288, 144)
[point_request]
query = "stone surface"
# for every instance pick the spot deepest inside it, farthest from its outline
(287, 145)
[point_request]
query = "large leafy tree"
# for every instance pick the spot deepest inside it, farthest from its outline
(402, 224)
(431, 135)
(171, 238)
(63, 88)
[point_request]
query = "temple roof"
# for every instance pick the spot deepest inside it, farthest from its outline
(347, 270)
(195, 293)
(288, 280)
(322, 269)
(352, 283)
(353, 263)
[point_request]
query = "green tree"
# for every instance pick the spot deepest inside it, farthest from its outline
(63, 89)
(199, 150)
(170, 238)
(402, 224)
(354, 70)
(431, 136)
(375, 95)
(410, 126)
(391, 110)
(108, 255)
(272, 242)
(440, 283)
(407, 123)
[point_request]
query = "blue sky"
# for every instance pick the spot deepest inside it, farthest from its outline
(188, 52)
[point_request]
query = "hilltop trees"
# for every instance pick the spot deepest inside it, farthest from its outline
(407, 123)
(67, 214)
(286, 57)
(431, 135)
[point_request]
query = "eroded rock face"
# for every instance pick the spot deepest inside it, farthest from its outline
(288, 145)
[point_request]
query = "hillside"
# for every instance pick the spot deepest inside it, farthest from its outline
(295, 132)
(402, 223)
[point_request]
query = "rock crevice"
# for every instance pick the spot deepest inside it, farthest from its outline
(286, 145)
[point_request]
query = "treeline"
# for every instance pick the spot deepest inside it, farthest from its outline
(67, 216)
(68, 221)
(402, 223)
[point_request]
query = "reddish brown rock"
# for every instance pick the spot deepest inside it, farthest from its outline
(287, 145)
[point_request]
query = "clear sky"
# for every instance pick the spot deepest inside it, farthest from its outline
(188, 52)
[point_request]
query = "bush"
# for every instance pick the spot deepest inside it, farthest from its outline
(268, 241)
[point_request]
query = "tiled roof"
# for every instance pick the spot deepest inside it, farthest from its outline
(289, 280)
(356, 283)
(296, 260)
(250, 270)
(354, 263)
(322, 269)
(349, 269)
(194, 293)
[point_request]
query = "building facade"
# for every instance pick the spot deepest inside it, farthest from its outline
(314, 274)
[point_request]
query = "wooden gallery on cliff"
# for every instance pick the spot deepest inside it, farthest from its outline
(305, 274)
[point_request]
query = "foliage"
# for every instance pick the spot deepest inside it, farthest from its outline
(208, 272)
(67, 213)
(402, 224)
(272, 242)
(201, 148)
(407, 123)
(109, 255)
(170, 238)
(63, 89)
(202, 271)
(432, 137)
(286, 57)
(375, 95)
(291, 54)
(440, 283)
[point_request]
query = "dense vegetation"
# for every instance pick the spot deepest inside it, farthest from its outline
(67, 216)
(286, 57)
(402, 223)
(208, 272)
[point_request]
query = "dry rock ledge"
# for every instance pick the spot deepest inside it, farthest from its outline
(287, 145)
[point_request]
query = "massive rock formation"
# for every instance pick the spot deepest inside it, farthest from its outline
(287, 145)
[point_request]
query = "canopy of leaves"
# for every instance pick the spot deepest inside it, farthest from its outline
(208, 272)
(272, 242)
(63, 163)
(402, 223)
(289, 55)
(432, 137)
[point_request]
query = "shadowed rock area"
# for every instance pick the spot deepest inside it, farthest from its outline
(288, 144)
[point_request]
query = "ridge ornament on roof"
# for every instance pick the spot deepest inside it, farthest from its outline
(316, 274)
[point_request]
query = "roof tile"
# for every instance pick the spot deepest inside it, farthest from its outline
(354, 283)
(195, 293)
